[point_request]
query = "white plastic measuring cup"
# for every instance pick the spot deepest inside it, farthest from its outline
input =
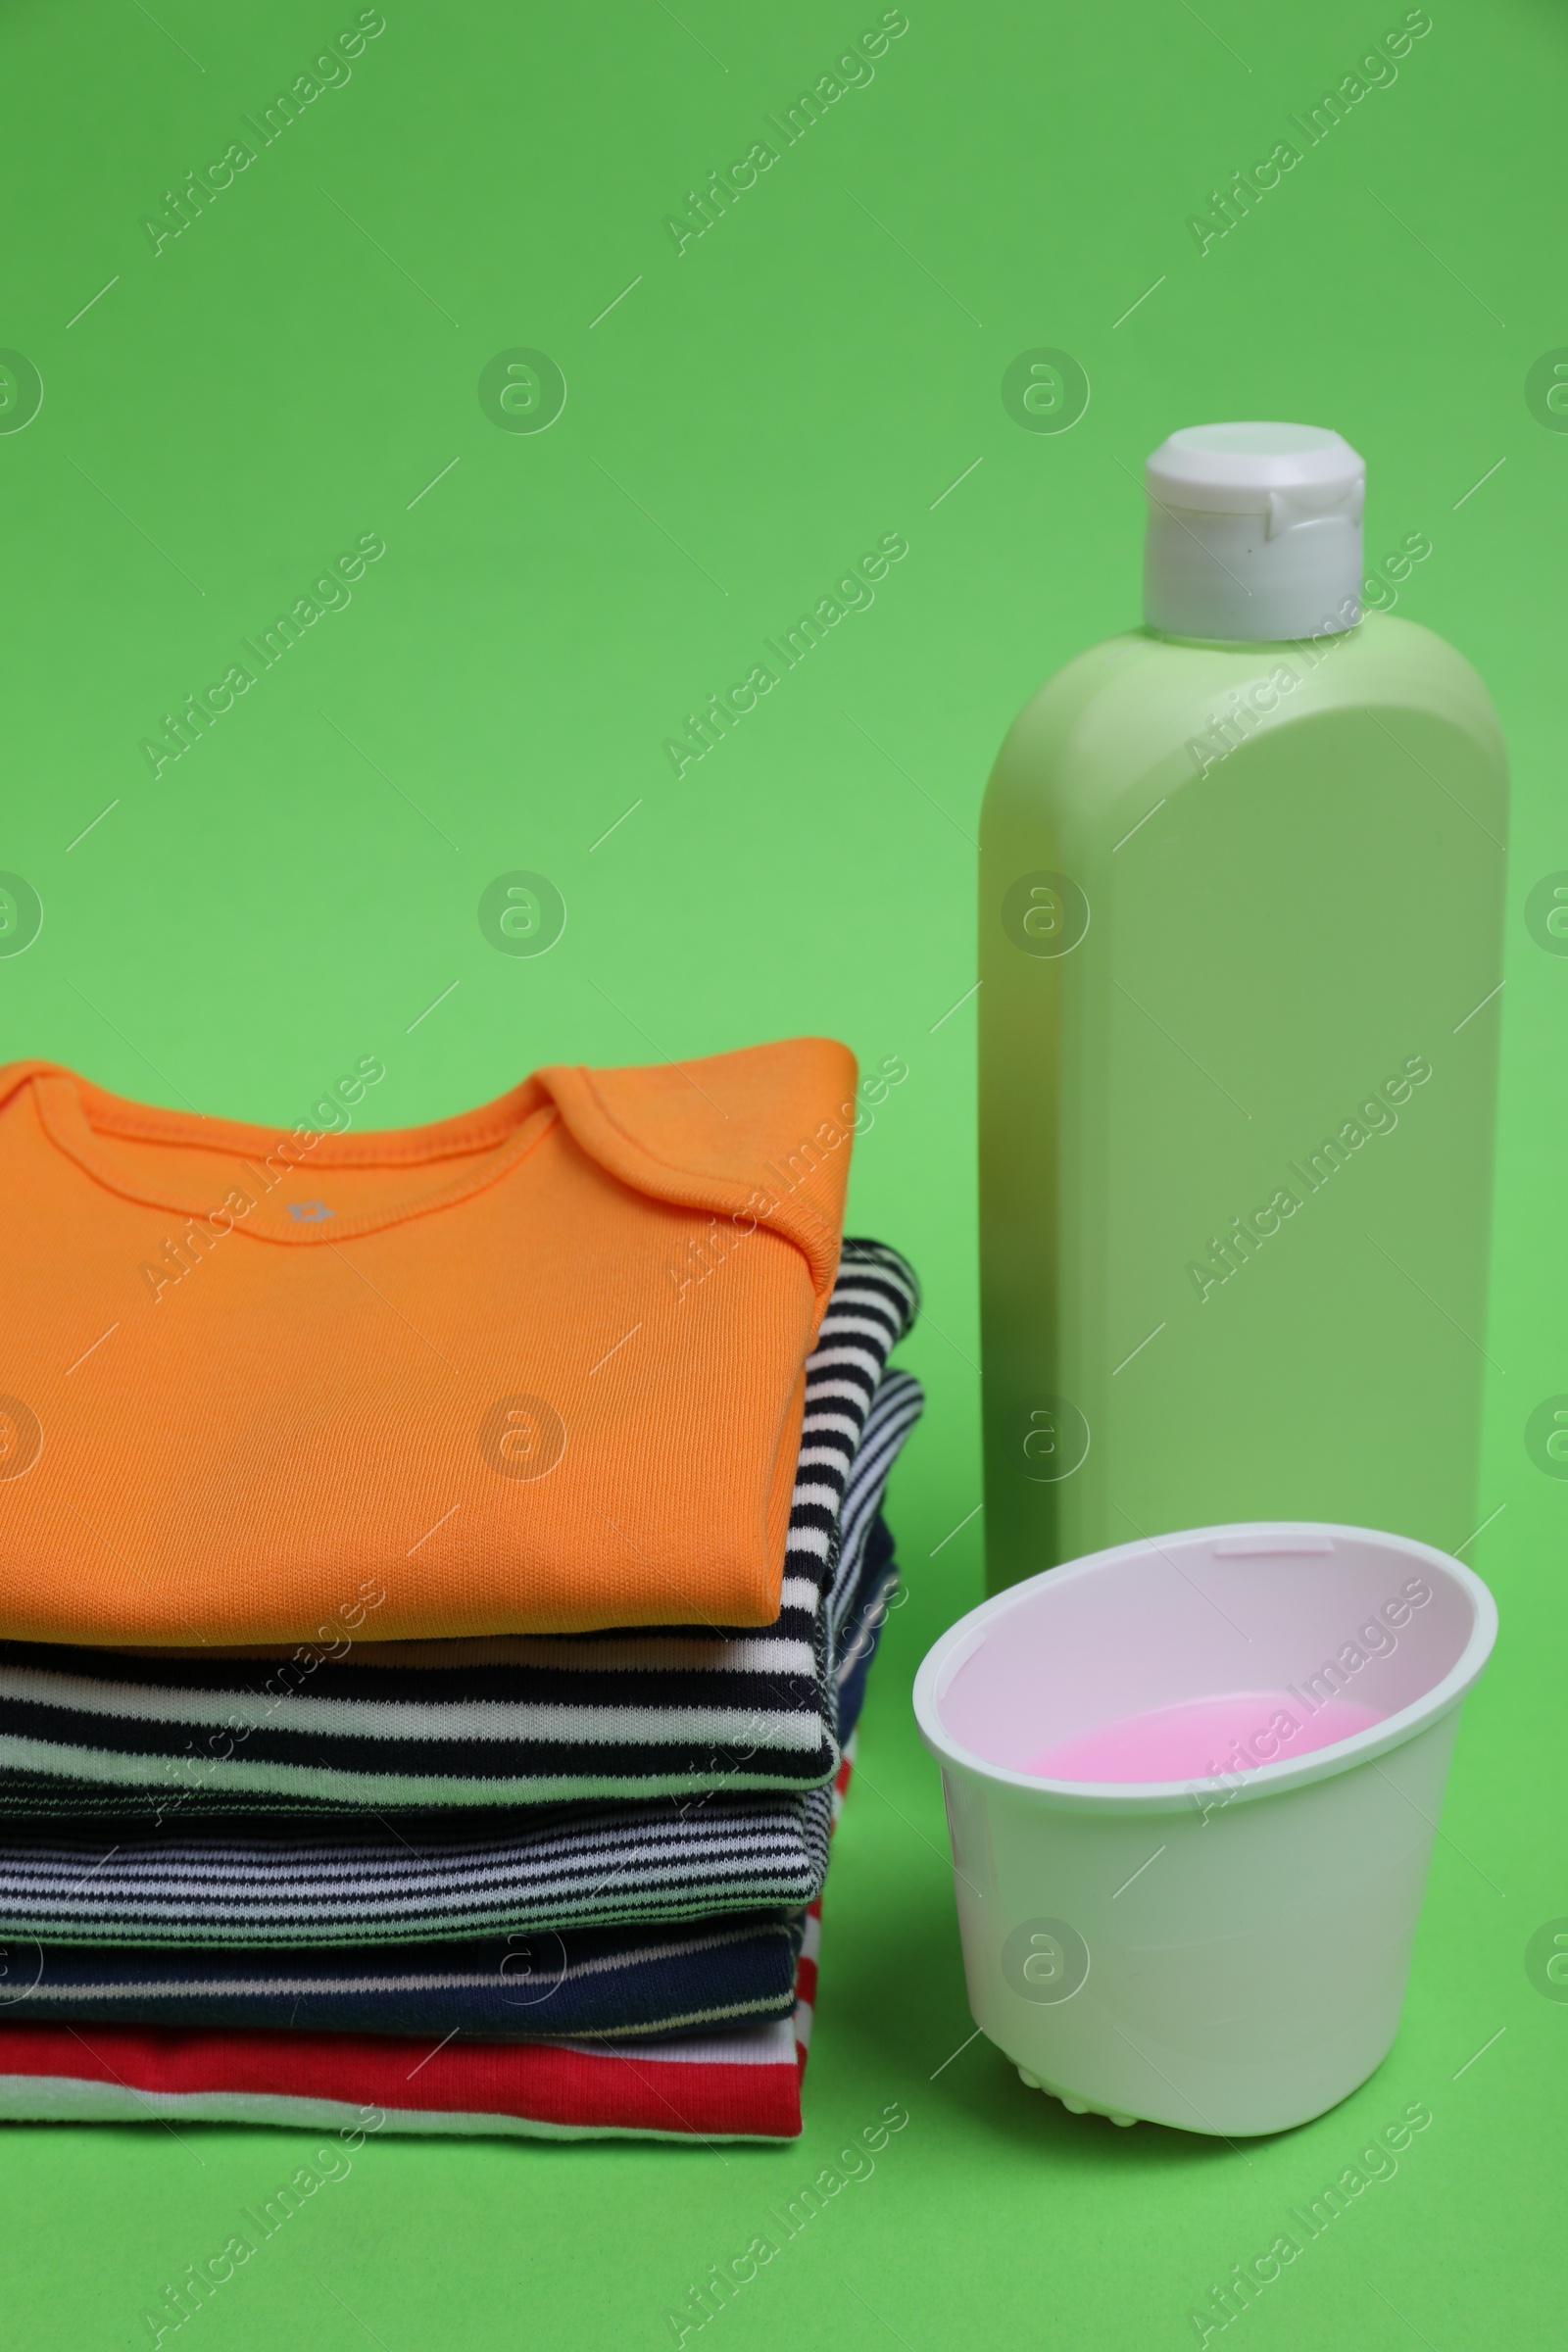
(1228, 1954)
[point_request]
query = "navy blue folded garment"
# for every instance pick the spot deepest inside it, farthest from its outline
(878, 1595)
(709, 1976)
(295, 1890)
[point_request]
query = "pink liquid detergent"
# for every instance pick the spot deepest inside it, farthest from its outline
(1203, 1738)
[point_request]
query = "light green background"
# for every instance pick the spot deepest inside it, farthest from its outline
(814, 372)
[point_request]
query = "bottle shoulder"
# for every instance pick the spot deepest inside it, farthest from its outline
(1140, 706)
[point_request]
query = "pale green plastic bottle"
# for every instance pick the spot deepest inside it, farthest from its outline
(1240, 905)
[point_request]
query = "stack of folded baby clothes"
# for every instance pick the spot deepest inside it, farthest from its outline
(438, 1575)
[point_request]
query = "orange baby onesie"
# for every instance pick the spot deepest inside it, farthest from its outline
(534, 1369)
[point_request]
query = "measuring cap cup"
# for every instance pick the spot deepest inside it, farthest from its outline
(1226, 1952)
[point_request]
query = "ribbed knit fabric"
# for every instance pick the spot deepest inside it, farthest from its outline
(462, 1380)
(395, 1727)
(281, 1884)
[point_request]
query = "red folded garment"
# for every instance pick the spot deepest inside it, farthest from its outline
(731, 2087)
(743, 2085)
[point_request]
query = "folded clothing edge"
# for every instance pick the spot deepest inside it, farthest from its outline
(743, 2085)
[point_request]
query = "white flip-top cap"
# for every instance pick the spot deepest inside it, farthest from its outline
(1255, 532)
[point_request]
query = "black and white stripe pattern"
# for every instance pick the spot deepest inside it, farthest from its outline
(362, 1880)
(620, 1865)
(674, 1711)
